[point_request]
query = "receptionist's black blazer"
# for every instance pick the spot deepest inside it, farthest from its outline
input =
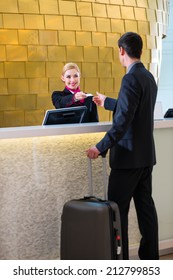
(63, 99)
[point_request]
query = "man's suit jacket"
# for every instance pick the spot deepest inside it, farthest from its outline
(130, 138)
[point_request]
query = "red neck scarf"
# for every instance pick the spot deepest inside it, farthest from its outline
(73, 90)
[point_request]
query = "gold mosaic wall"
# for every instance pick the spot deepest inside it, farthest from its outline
(37, 37)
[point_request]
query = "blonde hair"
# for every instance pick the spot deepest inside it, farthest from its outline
(69, 66)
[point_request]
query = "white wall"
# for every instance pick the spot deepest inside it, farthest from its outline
(165, 87)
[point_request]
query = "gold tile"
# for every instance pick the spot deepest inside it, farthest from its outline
(84, 9)
(54, 22)
(99, 39)
(1, 21)
(74, 54)
(72, 23)
(103, 25)
(38, 85)
(15, 69)
(2, 53)
(151, 15)
(140, 14)
(106, 85)
(117, 85)
(1, 119)
(117, 70)
(30, 6)
(67, 7)
(104, 115)
(9, 6)
(53, 69)
(18, 86)
(117, 25)
(48, 7)
(127, 12)
(44, 101)
(151, 42)
(26, 101)
(16, 53)
(116, 2)
(131, 25)
(104, 70)
(37, 53)
(152, 4)
(3, 86)
(7, 102)
(14, 118)
(28, 37)
(34, 21)
(89, 69)
(91, 54)
(2, 70)
(34, 117)
(88, 24)
(8, 37)
(56, 53)
(143, 27)
(113, 11)
(48, 37)
(55, 84)
(142, 3)
(13, 21)
(83, 38)
(99, 10)
(35, 69)
(146, 56)
(67, 38)
(112, 39)
(91, 85)
(130, 2)
(105, 54)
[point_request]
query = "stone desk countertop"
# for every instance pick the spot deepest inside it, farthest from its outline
(52, 130)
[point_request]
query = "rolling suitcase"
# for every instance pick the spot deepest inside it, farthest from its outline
(90, 226)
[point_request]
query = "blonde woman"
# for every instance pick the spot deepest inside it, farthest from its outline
(72, 96)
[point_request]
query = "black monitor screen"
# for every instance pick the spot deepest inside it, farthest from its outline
(64, 115)
(169, 113)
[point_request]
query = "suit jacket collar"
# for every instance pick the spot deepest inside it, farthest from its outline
(136, 63)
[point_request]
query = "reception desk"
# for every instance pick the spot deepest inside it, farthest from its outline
(42, 167)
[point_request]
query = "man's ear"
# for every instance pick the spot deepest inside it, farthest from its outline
(122, 51)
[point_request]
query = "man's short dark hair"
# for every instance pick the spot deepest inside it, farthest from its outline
(132, 43)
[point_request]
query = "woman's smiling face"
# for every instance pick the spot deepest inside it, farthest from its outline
(71, 78)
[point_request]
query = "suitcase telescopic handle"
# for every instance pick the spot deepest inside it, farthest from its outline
(90, 176)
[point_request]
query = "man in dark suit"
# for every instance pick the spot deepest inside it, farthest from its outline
(131, 144)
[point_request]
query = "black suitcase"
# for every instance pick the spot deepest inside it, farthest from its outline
(90, 227)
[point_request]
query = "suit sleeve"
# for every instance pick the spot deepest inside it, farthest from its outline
(60, 100)
(127, 103)
(110, 104)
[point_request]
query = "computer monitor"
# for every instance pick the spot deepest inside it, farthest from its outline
(169, 113)
(64, 115)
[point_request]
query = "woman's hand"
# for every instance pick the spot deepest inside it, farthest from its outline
(80, 95)
(99, 99)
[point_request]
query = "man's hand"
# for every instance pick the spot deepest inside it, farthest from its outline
(93, 153)
(99, 99)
